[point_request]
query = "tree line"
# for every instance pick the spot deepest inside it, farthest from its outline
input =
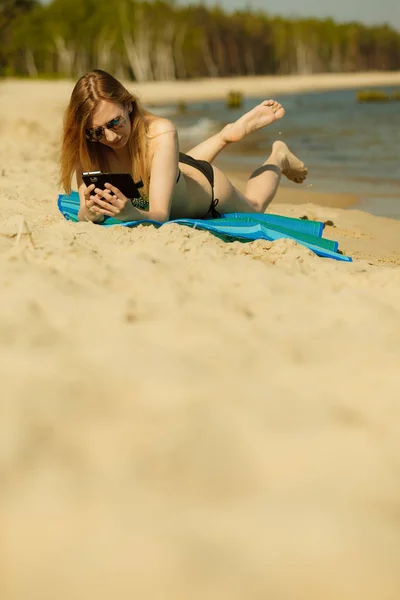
(160, 40)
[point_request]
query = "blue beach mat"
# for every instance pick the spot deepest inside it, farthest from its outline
(235, 226)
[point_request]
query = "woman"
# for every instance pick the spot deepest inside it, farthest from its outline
(107, 129)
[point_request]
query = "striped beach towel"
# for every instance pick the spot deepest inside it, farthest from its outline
(235, 226)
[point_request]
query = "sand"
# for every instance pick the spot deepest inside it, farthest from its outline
(183, 418)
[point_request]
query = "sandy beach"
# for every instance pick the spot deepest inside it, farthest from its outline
(184, 418)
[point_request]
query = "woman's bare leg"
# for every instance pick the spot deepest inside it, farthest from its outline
(262, 115)
(210, 148)
(262, 184)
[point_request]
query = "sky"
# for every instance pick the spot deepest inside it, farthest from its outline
(364, 11)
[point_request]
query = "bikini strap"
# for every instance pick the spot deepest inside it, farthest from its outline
(214, 203)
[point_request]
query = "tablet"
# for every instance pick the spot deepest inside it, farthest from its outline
(123, 181)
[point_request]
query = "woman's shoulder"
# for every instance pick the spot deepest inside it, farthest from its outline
(160, 125)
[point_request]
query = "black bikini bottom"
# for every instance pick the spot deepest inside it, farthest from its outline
(204, 167)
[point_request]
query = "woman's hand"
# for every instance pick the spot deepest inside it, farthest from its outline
(92, 211)
(109, 202)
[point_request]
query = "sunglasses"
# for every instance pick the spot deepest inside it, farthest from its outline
(97, 133)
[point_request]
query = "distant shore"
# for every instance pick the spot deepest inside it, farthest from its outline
(164, 92)
(160, 92)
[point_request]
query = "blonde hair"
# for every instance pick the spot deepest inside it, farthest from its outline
(77, 150)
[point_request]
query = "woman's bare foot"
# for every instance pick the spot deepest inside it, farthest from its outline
(292, 167)
(262, 115)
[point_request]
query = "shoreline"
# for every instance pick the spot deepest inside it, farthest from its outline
(256, 86)
(163, 92)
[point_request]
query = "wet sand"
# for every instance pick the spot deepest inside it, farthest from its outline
(187, 418)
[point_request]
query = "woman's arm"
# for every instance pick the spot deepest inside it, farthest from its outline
(164, 156)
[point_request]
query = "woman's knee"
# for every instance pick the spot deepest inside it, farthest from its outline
(256, 204)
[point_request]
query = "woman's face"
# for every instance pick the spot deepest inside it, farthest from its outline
(109, 124)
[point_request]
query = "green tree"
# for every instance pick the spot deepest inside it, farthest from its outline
(162, 40)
